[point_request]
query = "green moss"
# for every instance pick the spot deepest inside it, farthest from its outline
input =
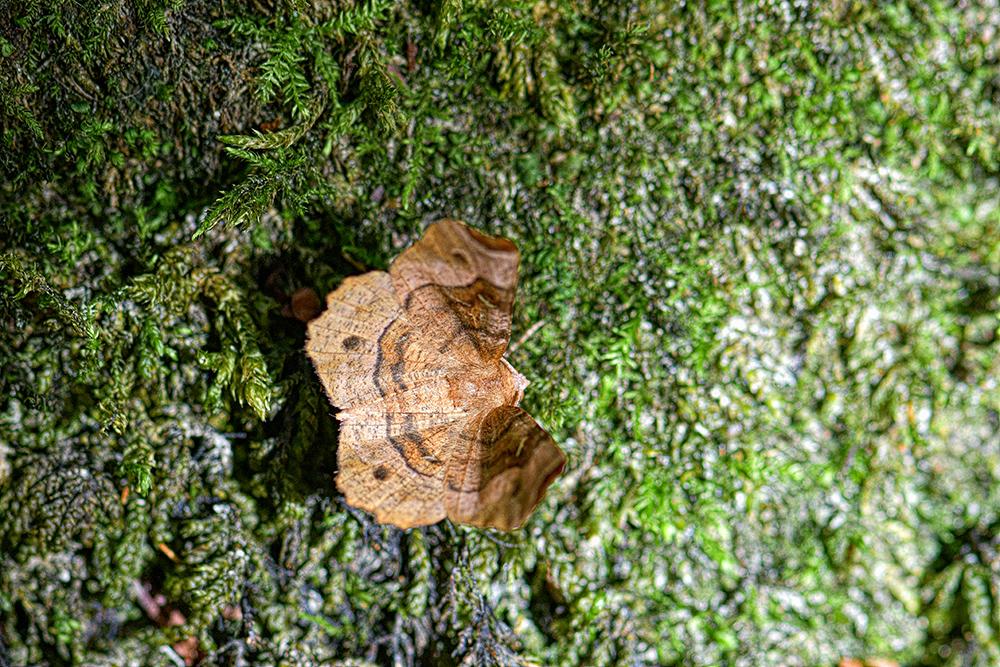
(759, 307)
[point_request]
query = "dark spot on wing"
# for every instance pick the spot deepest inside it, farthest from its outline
(462, 258)
(447, 343)
(351, 343)
(381, 473)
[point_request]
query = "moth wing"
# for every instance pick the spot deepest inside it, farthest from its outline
(462, 283)
(362, 345)
(395, 467)
(501, 478)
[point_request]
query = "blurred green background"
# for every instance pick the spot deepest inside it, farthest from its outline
(761, 262)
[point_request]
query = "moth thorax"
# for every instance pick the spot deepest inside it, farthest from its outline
(520, 383)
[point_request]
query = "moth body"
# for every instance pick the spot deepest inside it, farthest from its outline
(430, 426)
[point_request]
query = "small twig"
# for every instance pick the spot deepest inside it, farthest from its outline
(353, 262)
(525, 336)
(497, 541)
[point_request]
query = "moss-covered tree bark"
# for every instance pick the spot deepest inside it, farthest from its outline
(760, 257)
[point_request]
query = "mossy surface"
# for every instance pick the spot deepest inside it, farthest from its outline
(760, 272)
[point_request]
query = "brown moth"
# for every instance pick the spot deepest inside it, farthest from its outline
(429, 423)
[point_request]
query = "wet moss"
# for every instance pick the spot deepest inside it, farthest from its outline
(759, 307)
